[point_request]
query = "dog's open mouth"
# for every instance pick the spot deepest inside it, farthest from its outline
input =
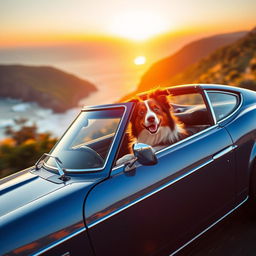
(153, 128)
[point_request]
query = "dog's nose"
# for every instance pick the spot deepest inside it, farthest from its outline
(151, 119)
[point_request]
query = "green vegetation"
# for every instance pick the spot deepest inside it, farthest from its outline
(22, 148)
(234, 64)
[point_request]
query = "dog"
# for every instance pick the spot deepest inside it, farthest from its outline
(153, 123)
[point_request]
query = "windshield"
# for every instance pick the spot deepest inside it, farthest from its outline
(87, 143)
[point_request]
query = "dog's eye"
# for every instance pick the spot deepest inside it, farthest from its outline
(156, 109)
(141, 112)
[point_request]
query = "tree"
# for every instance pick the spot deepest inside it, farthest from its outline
(22, 148)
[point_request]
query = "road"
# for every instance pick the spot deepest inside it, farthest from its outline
(233, 236)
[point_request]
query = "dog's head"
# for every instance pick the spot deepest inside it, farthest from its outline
(152, 111)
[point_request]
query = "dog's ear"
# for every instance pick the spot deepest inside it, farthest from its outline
(133, 100)
(164, 99)
(159, 92)
(164, 102)
(143, 97)
(161, 95)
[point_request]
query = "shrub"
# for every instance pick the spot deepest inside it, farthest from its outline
(23, 148)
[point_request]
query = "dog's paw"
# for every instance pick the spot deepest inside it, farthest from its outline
(124, 159)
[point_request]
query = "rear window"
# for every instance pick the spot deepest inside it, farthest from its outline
(223, 104)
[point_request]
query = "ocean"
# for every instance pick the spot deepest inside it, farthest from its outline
(110, 66)
(112, 81)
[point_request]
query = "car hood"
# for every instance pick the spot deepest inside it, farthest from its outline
(22, 189)
(36, 212)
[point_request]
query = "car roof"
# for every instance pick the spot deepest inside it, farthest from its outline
(176, 90)
(106, 106)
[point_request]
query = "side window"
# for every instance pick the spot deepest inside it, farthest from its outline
(222, 103)
(188, 99)
(191, 110)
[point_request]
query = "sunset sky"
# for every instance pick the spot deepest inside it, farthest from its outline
(47, 21)
(111, 43)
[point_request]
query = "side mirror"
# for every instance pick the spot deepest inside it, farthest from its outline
(144, 154)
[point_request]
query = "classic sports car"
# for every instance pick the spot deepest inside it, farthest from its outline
(77, 201)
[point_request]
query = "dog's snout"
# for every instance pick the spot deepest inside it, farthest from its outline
(151, 119)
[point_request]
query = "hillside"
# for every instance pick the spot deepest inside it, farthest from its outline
(189, 54)
(169, 67)
(234, 64)
(49, 87)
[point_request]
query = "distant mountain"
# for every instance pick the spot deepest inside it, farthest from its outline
(49, 87)
(189, 54)
(234, 64)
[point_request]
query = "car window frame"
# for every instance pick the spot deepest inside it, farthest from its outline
(237, 107)
(95, 108)
(213, 117)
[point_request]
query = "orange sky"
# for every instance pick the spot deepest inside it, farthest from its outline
(32, 22)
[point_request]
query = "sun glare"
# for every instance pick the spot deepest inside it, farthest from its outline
(140, 60)
(137, 26)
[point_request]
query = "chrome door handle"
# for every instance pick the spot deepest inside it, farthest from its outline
(224, 152)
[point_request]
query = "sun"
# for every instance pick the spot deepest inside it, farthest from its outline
(137, 25)
(140, 60)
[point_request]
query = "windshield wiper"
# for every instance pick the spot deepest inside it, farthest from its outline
(59, 164)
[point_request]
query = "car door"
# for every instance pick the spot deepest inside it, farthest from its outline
(153, 209)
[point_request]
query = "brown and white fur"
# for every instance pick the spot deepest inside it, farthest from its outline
(153, 123)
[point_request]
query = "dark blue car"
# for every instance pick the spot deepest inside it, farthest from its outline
(77, 201)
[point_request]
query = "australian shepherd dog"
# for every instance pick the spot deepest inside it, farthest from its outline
(153, 123)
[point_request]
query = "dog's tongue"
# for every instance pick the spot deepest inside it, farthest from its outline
(152, 128)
